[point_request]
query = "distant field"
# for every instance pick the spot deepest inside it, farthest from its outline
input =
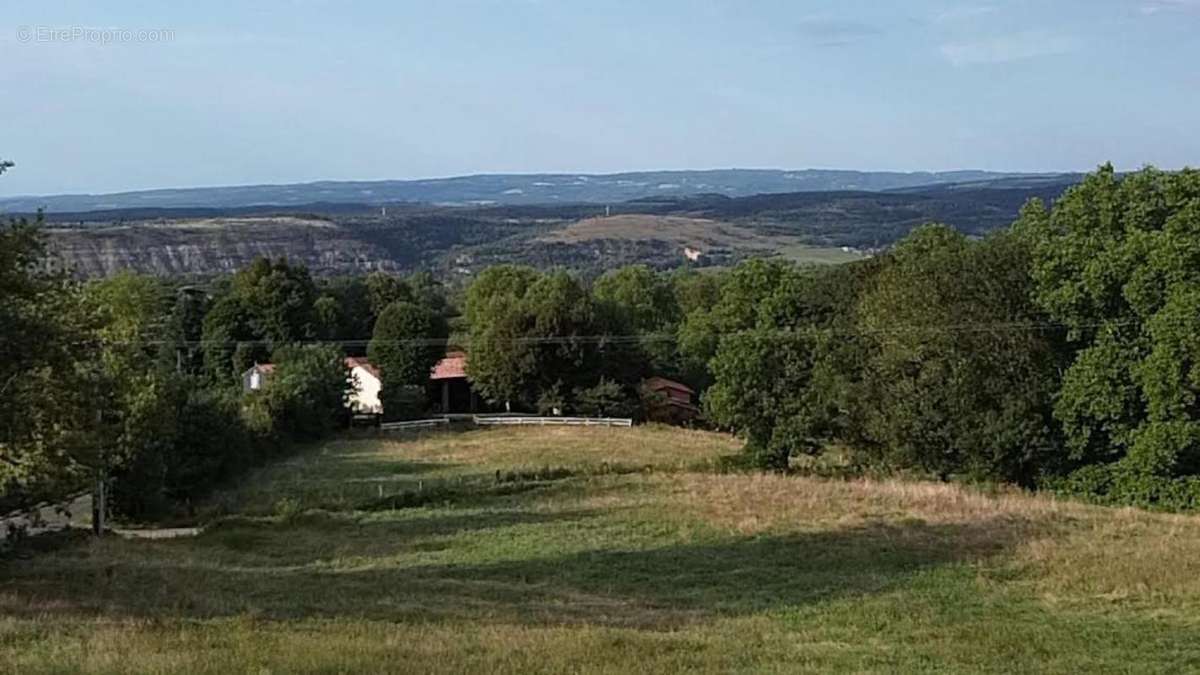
(701, 234)
(819, 255)
(675, 229)
(609, 550)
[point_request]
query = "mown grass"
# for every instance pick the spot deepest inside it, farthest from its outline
(606, 550)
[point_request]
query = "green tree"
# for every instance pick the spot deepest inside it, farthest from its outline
(536, 337)
(1117, 260)
(407, 342)
(497, 281)
(502, 362)
(45, 415)
(705, 318)
(384, 289)
(960, 370)
(607, 398)
(427, 291)
(279, 298)
(635, 301)
(267, 304)
(182, 340)
(228, 340)
(773, 376)
(131, 393)
(307, 393)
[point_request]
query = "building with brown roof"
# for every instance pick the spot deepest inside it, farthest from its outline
(668, 401)
(457, 395)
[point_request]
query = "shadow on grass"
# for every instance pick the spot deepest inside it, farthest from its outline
(323, 538)
(662, 587)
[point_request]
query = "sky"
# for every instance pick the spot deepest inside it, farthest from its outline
(108, 96)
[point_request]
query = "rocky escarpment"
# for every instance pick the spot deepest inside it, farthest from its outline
(206, 246)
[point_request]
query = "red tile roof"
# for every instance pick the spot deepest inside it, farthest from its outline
(265, 368)
(453, 366)
(353, 362)
(661, 383)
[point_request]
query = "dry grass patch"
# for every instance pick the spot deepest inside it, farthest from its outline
(654, 446)
(753, 503)
(1065, 550)
(663, 569)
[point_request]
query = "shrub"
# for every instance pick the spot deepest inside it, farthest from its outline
(307, 393)
(606, 399)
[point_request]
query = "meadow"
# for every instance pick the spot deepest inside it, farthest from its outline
(607, 550)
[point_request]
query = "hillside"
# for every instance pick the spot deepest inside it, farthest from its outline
(608, 550)
(488, 189)
(458, 241)
(205, 246)
(676, 238)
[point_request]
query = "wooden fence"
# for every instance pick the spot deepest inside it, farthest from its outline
(555, 421)
(508, 420)
(413, 424)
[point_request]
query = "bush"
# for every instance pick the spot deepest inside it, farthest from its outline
(1119, 484)
(606, 399)
(307, 393)
(407, 342)
(404, 402)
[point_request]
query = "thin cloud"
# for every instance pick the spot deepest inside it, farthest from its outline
(1009, 48)
(964, 13)
(832, 32)
(1160, 6)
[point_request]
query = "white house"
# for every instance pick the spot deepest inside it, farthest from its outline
(367, 383)
(256, 377)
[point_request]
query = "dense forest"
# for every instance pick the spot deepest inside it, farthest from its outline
(1058, 353)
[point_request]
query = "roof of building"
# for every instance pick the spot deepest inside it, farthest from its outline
(452, 367)
(353, 362)
(660, 383)
(264, 368)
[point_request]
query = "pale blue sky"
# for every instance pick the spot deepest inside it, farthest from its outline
(270, 92)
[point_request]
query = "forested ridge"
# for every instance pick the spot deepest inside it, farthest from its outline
(1059, 353)
(455, 242)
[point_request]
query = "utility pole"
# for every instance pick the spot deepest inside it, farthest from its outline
(99, 504)
(100, 493)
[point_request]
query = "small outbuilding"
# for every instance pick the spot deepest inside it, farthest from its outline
(669, 401)
(450, 376)
(256, 376)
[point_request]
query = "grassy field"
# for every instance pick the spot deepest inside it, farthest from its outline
(608, 550)
(701, 234)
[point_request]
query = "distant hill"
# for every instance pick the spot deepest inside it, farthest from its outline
(456, 242)
(501, 189)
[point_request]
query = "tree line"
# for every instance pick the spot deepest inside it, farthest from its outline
(1059, 353)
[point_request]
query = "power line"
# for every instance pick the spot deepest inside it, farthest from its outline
(636, 338)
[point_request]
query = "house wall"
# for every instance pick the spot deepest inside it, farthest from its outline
(365, 398)
(252, 380)
(678, 395)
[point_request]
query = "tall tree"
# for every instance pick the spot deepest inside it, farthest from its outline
(383, 289)
(767, 364)
(1117, 260)
(408, 340)
(539, 337)
(636, 302)
(307, 394)
(960, 369)
(267, 304)
(44, 402)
